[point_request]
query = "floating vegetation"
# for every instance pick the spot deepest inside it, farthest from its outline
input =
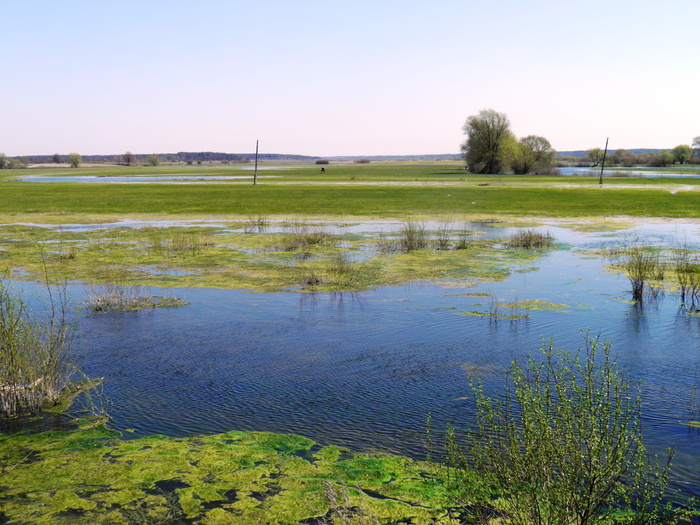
(516, 310)
(213, 256)
(236, 477)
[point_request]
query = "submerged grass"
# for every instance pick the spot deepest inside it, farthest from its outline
(301, 254)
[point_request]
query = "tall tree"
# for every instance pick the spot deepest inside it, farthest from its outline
(682, 154)
(56, 159)
(489, 142)
(533, 154)
(128, 158)
(595, 156)
(153, 160)
(74, 159)
(696, 145)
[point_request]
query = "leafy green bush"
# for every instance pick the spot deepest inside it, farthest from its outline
(562, 446)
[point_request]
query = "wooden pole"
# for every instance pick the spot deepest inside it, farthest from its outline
(255, 174)
(602, 166)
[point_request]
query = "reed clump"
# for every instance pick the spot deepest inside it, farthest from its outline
(343, 271)
(411, 236)
(642, 265)
(686, 265)
(160, 241)
(530, 239)
(255, 223)
(302, 237)
(116, 293)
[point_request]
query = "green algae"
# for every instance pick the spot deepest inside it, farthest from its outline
(93, 476)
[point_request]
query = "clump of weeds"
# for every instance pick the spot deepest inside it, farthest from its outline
(642, 264)
(530, 239)
(686, 266)
(116, 293)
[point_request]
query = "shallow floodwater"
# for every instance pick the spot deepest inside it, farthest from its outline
(365, 369)
(675, 172)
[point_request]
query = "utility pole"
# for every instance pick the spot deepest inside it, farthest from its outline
(602, 166)
(255, 174)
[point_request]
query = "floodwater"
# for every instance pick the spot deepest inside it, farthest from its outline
(675, 172)
(365, 369)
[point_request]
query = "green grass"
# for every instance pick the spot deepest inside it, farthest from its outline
(360, 200)
(375, 190)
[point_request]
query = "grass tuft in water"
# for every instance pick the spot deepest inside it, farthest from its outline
(642, 264)
(530, 239)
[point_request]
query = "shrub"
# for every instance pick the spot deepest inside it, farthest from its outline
(322, 161)
(563, 445)
(36, 355)
(642, 264)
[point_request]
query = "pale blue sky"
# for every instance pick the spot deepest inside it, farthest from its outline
(343, 78)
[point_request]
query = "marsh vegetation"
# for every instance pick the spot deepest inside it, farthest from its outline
(37, 360)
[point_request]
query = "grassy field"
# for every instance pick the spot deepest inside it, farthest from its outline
(373, 190)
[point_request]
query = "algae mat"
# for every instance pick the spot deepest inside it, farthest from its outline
(92, 476)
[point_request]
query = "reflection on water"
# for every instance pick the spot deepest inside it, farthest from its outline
(364, 369)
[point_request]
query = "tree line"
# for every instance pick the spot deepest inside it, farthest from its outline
(128, 158)
(681, 154)
(491, 147)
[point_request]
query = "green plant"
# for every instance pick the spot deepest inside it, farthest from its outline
(312, 278)
(530, 239)
(641, 264)
(687, 269)
(36, 353)
(562, 446)
(344, 272)
(442, 239)
(413, 236)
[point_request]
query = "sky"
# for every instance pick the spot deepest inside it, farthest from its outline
(327, 78)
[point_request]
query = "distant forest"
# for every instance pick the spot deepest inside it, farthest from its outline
(188, 157)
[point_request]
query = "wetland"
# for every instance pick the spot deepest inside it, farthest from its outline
(347, 330)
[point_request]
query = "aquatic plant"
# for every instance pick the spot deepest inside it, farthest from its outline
(237, 477)
(160, 241)
(301, 237)
(345, 272)
(443, 234)
(257, 223)
(411, 236)
(312, 278)
(37, 360)
(530, 239)
(686, 265)
(116, 293)
(642, 264)
(563, 445)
